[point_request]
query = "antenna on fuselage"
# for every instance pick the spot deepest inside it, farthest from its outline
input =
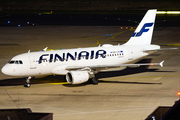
(45, 49)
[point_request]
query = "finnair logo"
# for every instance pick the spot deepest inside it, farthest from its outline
(143, 29)
(76, 56)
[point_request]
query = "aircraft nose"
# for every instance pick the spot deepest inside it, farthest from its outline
(5, 70)
(10, 70)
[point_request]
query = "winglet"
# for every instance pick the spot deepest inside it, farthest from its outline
(161, 63)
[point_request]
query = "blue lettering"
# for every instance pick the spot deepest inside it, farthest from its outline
(71, 56)
(143, 29)
(101, 53)
(92, 54)
(59, 57)
(41, 58)
(86, 55)
(51, 58)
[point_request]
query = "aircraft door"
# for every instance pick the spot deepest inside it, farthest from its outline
(130, 54)
(32, 62)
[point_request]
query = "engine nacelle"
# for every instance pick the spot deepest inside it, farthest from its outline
(77, 77)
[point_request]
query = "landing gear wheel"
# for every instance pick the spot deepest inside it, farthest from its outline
(94, 81)
(27, 84)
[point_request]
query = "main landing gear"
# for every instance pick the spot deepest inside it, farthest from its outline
(27, 84)
(94, 81)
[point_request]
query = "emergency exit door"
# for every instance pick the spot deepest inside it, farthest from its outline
(32, 62)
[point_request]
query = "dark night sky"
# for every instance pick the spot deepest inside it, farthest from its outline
(89, 4)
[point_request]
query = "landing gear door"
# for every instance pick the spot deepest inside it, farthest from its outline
(130, 54)
(32, 62)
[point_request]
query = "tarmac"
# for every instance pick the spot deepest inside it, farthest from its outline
(122, 94)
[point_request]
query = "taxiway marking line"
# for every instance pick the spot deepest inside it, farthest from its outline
(176, 44)
(62, 83)
(157, 78)
(108, 38)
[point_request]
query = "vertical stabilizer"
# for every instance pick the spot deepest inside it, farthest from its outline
(143, 33)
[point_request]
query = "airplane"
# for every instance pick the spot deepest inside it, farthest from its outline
(81, 64)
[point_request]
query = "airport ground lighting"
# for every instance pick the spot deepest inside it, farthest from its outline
(168, 12)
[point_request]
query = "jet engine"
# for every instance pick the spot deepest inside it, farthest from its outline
(77, 77)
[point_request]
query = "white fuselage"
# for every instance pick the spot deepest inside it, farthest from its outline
(45, 63)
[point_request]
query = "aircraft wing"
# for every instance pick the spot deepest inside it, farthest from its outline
(102, 67)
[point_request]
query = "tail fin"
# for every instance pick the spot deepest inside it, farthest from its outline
(143, 33)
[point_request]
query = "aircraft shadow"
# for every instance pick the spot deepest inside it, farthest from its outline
(100, 75)
(22, 81)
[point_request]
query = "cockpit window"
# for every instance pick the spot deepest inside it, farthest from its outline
(20, 62)
(11, 62)
(15, 62)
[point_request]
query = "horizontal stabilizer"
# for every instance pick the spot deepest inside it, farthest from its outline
(160, 49)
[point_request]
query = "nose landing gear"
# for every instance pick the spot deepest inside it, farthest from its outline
(27, 84)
